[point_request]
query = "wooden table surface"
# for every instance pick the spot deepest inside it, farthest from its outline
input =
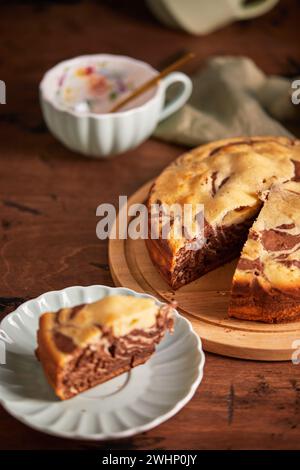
(49, 197)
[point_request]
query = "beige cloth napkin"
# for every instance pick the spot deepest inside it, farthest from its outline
(231, 97)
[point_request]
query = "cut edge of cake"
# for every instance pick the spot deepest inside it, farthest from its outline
(266, 282)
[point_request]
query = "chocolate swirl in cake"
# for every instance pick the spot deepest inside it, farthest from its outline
(266, 283)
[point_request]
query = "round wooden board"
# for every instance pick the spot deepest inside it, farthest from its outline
(204, 302)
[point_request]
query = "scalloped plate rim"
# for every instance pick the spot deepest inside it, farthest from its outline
(128, 432)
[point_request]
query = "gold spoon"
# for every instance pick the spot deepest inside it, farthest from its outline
(153, 81)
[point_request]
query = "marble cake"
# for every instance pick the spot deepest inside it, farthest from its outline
(89, 344)
(227, 177)
(266, 283)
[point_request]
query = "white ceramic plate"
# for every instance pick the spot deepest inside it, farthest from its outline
(131, 403)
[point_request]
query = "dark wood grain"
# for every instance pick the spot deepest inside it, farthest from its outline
(49, 195)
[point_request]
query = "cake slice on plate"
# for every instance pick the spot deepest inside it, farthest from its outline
(86, 345)
(266, 283)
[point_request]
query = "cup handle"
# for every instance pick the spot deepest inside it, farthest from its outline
(181, 98)
(244, 12)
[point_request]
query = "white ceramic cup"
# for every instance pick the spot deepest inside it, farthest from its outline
(205, 16)
(102, 135)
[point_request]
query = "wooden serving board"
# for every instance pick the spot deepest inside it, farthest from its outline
(204, 302)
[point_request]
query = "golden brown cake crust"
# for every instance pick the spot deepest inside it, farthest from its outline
(227, 177)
